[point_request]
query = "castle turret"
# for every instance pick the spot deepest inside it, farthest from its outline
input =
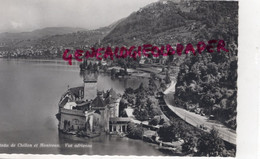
(90, 85)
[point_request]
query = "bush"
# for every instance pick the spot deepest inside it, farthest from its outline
(154, 122)
(189, 146)
(141, 114)
(161, 122)
(134, 131)
(210, 144)
(166, 133)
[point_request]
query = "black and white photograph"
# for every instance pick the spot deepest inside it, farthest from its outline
(128, 78)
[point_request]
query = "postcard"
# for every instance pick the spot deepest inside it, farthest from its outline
(128, 78)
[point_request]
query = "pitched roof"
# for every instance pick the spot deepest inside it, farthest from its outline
(110, 100)
(98, 102)
(111, 96)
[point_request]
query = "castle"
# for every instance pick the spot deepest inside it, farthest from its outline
(86, 111)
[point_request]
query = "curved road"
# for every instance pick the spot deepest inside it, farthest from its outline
(197, 120)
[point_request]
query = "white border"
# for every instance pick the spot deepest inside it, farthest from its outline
(248, 143)
(248, 81)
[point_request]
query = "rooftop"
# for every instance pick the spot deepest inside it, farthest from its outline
(98, 102)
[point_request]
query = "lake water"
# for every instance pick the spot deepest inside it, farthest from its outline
(29, 94)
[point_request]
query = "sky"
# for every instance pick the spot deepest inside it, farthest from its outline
(28, 15)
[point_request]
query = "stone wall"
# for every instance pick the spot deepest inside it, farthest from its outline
(72, 120)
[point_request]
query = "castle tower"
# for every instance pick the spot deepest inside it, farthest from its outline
(90, 85)
(99, 106)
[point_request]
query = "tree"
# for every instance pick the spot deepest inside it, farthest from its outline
(81, 66)
(170, 58)
(122, 72)
(105, 68)
(134, 131)
(189, 146)
(125, 70)
(113, 72)
(155, 111)
(141, 86)
(129, 90)
(140, 101)
(122, 106)
(210, 144)
(95, 67)
(141, 114)
(167, 78)
(152, 85)
(154, 122)
(161, 122)
(153, 76)
(89, 67)
(165, 133)
(163, 86)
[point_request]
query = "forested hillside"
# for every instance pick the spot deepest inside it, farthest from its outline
(208, 82)
(168, 22)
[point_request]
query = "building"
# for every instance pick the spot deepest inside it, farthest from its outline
(118, 125)
(92, 116)
(90, 85)
(71, 120)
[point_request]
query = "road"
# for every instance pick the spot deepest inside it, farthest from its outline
(197, 120)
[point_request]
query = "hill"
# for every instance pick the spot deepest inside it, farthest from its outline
(205, 82)
(56, 37)
(36, 34)
(171, 22)
(208, 82)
